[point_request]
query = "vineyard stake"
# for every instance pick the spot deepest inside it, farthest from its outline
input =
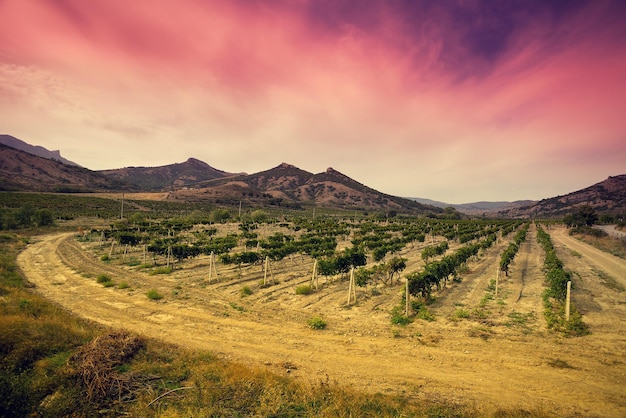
(210, 266)
(497, 279)
(111, 250)
(351, 287)
(314, 275)
(144, 254)
(408, 303)
(568, 299)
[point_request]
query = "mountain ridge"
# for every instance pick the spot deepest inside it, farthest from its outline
(284, 185)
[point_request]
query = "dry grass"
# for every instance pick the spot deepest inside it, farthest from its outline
(95, 365)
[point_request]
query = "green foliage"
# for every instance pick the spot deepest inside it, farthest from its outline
(219, 215)
(123, 285)
(259, 216)
(462, 313)
(161, 270)
(316, 323)
(245, 291)
(304, 289)
(103, 278)
(154, 294)
(585, 215)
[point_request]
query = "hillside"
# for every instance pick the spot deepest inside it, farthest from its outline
(37, 150)
(608, 196)
(23, 171)
(172, 176)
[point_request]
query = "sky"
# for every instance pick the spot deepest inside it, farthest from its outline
(451, 100)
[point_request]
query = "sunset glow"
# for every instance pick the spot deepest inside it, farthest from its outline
(455, 101)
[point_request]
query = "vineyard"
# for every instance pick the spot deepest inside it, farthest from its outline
(483, 320)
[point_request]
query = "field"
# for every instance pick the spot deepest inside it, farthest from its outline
(467, 346)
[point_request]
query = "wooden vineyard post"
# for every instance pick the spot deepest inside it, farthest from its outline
(125, 253)
(407, 299)
(568, 299)
(169, 254)
(314, 275)
(111, 250)
(351, 287)
(144, 254)
(212, 266)
(268, 267)
(497, 278)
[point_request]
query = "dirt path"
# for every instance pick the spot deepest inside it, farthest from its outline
(500, 366)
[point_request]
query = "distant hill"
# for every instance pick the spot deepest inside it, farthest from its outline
(173, 176)
(608, 196)
(22, 171)
(35, 150)
(287, 185)
(476, 208)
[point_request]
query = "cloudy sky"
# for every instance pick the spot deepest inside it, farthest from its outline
(456, 101)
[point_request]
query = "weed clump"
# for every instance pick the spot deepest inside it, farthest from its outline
(304, 289)
(154, 294)
(316, 323)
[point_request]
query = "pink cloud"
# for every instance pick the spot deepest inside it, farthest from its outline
(406, 87)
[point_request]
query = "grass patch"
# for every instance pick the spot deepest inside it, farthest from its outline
(154, 294)
(245, 291)
(236, 307)
(316, 323)
(461, 314)
(161, 270)
(103, 278)
(304, 289)
(123, 285)
(607, 244)
(608, 281)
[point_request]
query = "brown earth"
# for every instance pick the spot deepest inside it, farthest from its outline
(501, 356)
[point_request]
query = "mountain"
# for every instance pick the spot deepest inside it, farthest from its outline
(42, 152)
(20, 170)
(289, 186)
(608, 196)
(173, 176)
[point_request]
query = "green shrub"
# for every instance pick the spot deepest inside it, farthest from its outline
(123, 285)
(246, 291)
(161, 270)
(462, 313)
(304, 289)
(425, 314)
(154, 294)
(105, 258)
(103, 278)
(316, 323)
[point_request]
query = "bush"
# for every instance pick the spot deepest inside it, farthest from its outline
(105, 258)
(246, 291)
(316, 323)
(462, 313)
(123, 285)
(154, 294)
(304, 289)
(103, 278)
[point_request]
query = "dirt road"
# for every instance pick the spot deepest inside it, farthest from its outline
(489, 361)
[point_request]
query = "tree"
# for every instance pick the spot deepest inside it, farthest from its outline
(396, 265)
(259, 216)
(584, 216)
(219, 215)
(44, 217)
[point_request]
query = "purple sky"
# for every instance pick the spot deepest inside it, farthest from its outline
(456, 101)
